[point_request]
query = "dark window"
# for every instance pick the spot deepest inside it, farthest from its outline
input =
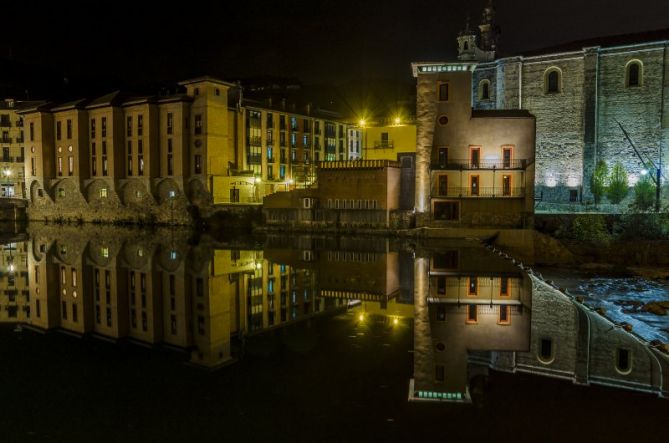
(441, 285)
(103, 123)
(573, 195)
(504, 286)
(92, 128)
(504, 314)
(129, 126)
(443, 156)
(69, 129)
(441, 312)
(443, 185)
(439, 373)
(546, 349)
(32, 132)
(198, 124)
(170, 122)
(485, 91)
(198, 164)
(623, 360)
(553, 82)
(473, 286)
(633, 77)
(446, 211)
(58, 130)
(140, 125)
(443, 92)
(472, 313)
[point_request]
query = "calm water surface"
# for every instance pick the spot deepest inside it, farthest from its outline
(122, 335)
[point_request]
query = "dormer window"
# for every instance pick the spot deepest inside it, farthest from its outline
(553, 81)
(633, 74)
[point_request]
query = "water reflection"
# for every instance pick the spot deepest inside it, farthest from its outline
(470, 310)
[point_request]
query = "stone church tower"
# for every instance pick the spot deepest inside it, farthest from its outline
(479, 45)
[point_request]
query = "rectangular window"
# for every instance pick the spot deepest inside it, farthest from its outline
(270, 120)
(75, 313)
(69, 129)
(573, 195)
(441, 285)
(129, 126)
(170, 159)
(504, 286)
(63, 309)
(198, 124)
(60, 165)
(439, 373)
(506, 185)
(92, 128)
(38, 310)
(474, 188)
(446, 211)
(32, 131)
(33, 166)
(129, 158)
(70, 165)
(443, 157)
(504, 317)
(59, 130)
(198, 164)
(507, 152)
(443, 92)
(472, 314)
(74, 277)
(140, 125)
(170, 123)
(103, 123)
(475, 156)
(473, 287)
(443, 184)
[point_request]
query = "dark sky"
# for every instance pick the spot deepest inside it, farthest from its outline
(328, 41)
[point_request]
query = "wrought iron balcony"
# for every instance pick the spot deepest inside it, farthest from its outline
(468, 164)
(487, 192)
(384, 144)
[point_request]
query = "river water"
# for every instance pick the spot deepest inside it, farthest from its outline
(128, 335)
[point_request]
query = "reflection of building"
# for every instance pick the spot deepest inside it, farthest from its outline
(472, 302)
(14, 284)
(473, 167)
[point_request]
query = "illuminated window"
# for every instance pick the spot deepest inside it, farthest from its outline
(198, 124)
(104, 252)
(472, 287)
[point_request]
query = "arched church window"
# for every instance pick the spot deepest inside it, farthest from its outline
(633, 73)
(484, 90)
(552, 80)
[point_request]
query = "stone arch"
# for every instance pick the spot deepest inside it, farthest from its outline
(135, 193)
(138, 255)
(634, 73)
(170, 258)
(197, 193)
(168, 189)
(553, 80)
(38, 193)
(98, 191)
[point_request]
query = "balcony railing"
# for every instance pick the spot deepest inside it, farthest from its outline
(5, 124)
(6, 139)
(487, 192)
(384, 144)
(458, 164)
(254, 141)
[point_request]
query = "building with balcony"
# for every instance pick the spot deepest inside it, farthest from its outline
(122, 157)
(473, 167)
(12, 143)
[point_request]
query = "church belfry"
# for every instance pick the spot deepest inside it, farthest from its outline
(467, 43)
(489, 29)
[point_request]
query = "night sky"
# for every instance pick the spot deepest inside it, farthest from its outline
(338, 42)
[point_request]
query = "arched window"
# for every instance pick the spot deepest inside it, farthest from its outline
(546, 350)
(633, 73)
(552, 81)
(623, 361)
(484, 90)
(466, 46)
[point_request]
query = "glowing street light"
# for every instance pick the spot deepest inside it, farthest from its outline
(362, 123)
(397, 120)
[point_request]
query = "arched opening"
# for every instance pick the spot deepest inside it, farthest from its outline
(484, 90)
(633, 74)
(552, 81)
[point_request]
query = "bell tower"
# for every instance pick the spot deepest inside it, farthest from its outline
(467, 43)
(489, 29)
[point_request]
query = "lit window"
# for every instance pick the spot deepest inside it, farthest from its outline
(103, 193)
(104, 252)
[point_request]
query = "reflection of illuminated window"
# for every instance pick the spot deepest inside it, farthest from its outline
(473, 286)
(546, 350)
(441, 285)
(504, 317)
(623, 361)
(504, 286)
(441, 312)
(472, 313)
(439, 373)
